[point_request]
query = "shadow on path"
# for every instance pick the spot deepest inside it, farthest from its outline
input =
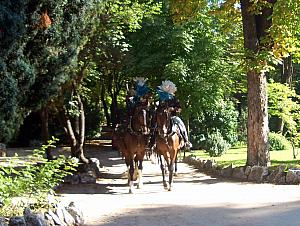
(270, 215)
(114, 174)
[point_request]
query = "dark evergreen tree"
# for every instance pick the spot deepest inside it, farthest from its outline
(39, 42)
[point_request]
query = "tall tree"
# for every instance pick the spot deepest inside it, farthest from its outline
(255, 31)
(196, 56)
(40, 41)
(270, 29)
(107, 50)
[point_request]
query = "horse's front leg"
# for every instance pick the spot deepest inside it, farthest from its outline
(140, 174)
(130, 166)
(162, 167)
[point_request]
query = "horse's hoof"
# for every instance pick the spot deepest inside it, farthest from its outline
(166, 186)
(170, 189)
(131, 191)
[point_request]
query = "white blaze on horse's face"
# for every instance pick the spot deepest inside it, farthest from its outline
(165, 128)
(145, 128)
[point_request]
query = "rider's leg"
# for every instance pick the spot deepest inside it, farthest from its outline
(183, 131)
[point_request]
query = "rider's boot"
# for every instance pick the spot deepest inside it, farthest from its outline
(187, 145)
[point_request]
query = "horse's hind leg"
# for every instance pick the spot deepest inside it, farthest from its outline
(175, 172)
(171, 171)
(140, 174)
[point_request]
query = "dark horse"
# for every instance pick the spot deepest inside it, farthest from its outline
(168, 142)
(133, 143)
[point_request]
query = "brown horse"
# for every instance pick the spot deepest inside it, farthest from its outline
(133, 143)
(168, 142)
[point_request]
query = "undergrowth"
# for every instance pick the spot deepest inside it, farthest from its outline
(32, 183)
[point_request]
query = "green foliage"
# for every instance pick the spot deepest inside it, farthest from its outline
(199, 67)
(151, 47)
(278, 142)
(237, 157)
(36, 61)
(197, 57)
(215, 144)
(242, 126)
(107, 51)
(222, 118)
(92, 121)
(130, 13)
(285, 28)
(33, 180)
(284, 103)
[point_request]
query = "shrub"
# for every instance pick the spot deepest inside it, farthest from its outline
(215, 144)
(222, 118)
(198, 141)
(34, 181)
(277, 142)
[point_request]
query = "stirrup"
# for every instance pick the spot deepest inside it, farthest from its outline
(188, 146)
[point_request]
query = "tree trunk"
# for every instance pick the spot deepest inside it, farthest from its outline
(44, 125)
(254, 28)
(114, 110)
(287, 71)
(45, 130)
(257, 127)
(76, 139)
(105, 107)
(81, 136)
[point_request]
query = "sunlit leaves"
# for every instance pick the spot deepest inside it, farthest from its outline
(258, 6)
(285, 30)
(129, 13)
(284, 103)
(185, 10)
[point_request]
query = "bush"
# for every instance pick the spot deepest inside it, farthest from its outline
(222, 118)
(277, 142)
(34, 181)
(216, 145)
(198, 141)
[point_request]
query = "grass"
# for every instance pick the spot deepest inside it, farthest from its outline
(237, 156)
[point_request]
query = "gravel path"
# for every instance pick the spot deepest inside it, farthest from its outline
(196, 199)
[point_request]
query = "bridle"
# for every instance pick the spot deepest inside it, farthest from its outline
(163, 120)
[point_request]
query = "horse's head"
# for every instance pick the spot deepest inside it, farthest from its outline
(141, 119)
(163, 119)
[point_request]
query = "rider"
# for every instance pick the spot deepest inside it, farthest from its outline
(166, 92)
(130, 103)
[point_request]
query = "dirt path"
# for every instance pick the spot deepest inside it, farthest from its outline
(196, 199)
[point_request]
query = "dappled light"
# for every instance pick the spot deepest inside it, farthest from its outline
(184, 104)
(196, 198)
